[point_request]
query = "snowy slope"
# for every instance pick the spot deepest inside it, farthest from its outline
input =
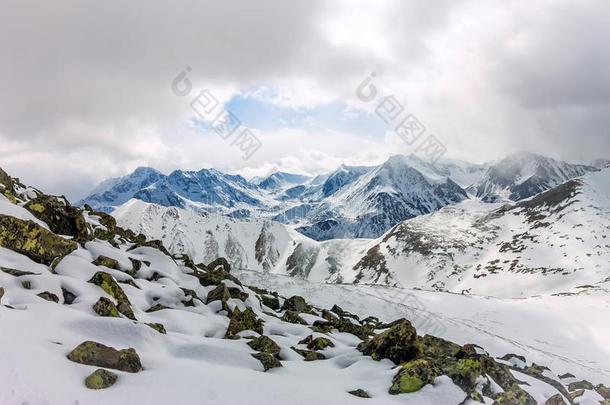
(556, 242)
(193, 345)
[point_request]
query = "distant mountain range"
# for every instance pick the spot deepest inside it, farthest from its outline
(350, 202)
(553, 243)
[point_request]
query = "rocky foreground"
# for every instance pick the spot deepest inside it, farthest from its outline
(83, 290)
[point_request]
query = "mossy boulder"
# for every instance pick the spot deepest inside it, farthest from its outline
(49, 296)
(580, 385)
(397, 344)
(514, 396)
(413, 376)
(297, 304)
(100, 379)
(293, 317)
(360, 393)
(97, 354)
(270, 301)
(309, 355)
(265, 344)
(246, 320)
(33, 241)
(112, 288)
(465, 373)
(107, 262)
(62, 218)
(158, 327)
(319, 343)
(220, 293)
(267, 360)
(105, 307)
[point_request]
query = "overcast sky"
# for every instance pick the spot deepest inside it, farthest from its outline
(85, 87)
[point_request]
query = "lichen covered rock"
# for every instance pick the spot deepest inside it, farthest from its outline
(32, 240)
(265, 344)
(297, 304)
(105, 307)
(62, 218)
(97, 354)
(293, 317)
(267, 360)
(413, 376)
(100, 379)
(246, 320)
(107, 262)
(112, 288)
(397, 344)
(158, 327)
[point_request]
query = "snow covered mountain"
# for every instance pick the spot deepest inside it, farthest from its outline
(553, 243)
(349, 202)
(207, 189)
(523, 175)
(367, 202)
(550, 244)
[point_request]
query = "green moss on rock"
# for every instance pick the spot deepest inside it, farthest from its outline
(265, 344)
(107, 262)
(105, 307)
(32, 240)
(112, 288)
(413, 376)
(97, 354)
(267, 360)
(246, 320)
(397, 344)
(100, 379)
(158, 327)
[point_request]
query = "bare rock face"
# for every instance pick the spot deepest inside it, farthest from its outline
(97, 354)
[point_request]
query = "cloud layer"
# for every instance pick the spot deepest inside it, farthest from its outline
(86, 86)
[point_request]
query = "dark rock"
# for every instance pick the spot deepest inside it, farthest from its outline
(556, 399)
(265, 344)
(270, 301)
(1, 293)
(32, 240)
(246, 320)
(68, 296)
(62, 218)
(156, 307)
(293, 317)
(26, 284)
(107, 262)
(297, 304)
(397, 344)
(581, 385)
(49, 296)
(567, 375)
(220, 263)
(319, 343)
(97, 354)
(220, 293)
(105, 307)
(267, 360)
(509, 356)
(17, 273)
(112, 288)
(603, 391)
(100, 379)
(158, 327)
(514, 396)
(309, 355)
(360, 393)
(413, 376)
